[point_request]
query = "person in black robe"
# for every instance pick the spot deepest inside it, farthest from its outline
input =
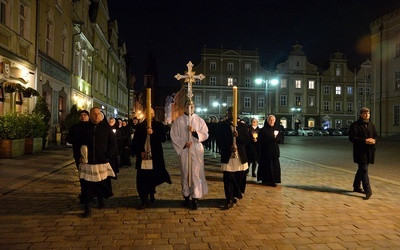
(269, 168)
(148, 179)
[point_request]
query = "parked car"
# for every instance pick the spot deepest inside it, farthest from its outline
(289, 131)
(321, 132)
(345, 131)
(305, 131)
(334, 132)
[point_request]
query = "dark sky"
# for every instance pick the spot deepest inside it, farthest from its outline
(177, 30)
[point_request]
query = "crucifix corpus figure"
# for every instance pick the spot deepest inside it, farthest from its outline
(188, 131)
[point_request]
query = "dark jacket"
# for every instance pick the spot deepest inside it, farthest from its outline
(101, 142)
(156, 139)
(252, 147)
(73, 138)
(358, 132)
(225, 140)
(268, 143)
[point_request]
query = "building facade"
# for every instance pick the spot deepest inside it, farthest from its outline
(18, 60)
(385, 56)
(69, 51)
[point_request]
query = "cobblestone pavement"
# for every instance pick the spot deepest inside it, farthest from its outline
(313, 208)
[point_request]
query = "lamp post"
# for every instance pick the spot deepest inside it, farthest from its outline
(267, 82)
(215, 104)
(294, 111)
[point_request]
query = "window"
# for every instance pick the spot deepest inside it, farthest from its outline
(298, 84)
(338, 106)
(229, 67)
(48, 45)
(367, 91)
(2, 12)
(350, 90)
(327, 89)
(396, 115)
(360, 91)
(247, 67)
(311, 84)
(311, 101)
(397, 55)
(298, 100)
(338, 90)
(230, 81)
(197, 82)
(212, 98)
(326, 105)
(247, 82)
(21, 20)
(229, 101)
(64, 51)
(197, 100)
(397, 81)
(213, 66)
(284, 83)
(260, 103)
(349, 106)
(247, 102)
(360, 105)
(213, 80)
(283, 100)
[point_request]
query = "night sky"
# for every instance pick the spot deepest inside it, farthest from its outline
(177, 30)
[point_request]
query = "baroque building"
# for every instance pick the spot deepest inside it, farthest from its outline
(18, 44)
(69, 51)
(225, 68)
(385, 57)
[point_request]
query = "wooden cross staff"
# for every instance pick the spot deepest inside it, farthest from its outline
(189, 77)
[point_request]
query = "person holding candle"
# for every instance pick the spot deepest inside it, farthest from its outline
(188, 132)
(232, 141)
(269, 168)
(252, 147)
(148, 179)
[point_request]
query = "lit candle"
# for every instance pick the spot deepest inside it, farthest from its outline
(148, 107)
(235, 106)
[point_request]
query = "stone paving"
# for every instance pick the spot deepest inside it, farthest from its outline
(313, 208)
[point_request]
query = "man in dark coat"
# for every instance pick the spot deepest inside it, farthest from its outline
(148, 179)
(362, 134)
(269, 168)
(234, 169)
(94, 169)
(72, 135)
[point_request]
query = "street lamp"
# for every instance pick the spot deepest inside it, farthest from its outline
(294, 110)
(201, 110)
(215, 104)
(267, 82)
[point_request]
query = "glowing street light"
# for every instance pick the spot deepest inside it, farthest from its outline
(215, 104)
(267, 82)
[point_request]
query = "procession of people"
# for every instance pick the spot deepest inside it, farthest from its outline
(102, 147)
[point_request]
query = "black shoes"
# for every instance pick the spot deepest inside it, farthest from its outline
(186, 203)
(87, 213)
(228, 205)
(367, 196)
(195, 204)
(102, 204)
(358, 190)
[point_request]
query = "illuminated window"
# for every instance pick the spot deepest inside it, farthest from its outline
(298, 84)
(338, 90)
(311, 84)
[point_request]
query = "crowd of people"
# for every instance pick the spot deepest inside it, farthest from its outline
(101, 147)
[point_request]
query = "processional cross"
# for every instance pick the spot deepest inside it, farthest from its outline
(190, 77)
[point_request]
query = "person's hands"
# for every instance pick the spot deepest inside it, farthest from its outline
(188, 144)
(191, 129)
(143, 154)
(370, 141)
(235, 133)
(149, 131)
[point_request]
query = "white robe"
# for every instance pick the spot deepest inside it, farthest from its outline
(180, 135)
